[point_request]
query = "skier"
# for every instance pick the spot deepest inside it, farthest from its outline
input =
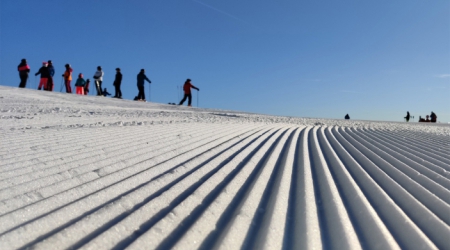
(51, 70)
(45, 74)
(98, 78)
(347, 117)
(24, 70)
(187, 92)
(141, 77)
(407, 116)
(433, 117)
(86, 87)
(79, 85)
(117, 83)
(68, 78)
(105, 92)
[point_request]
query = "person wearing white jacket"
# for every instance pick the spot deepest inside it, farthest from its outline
(98, 78)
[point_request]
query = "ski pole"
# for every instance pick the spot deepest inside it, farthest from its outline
(34, 82)
(149, 92)
(61, 85)
(198, 93)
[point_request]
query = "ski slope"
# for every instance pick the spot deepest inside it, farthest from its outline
(86, 172)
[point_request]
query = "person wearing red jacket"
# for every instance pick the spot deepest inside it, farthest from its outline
(187, 92)
(24, 70)
(68, 78)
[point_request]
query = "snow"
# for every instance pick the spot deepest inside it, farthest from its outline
(100, 173)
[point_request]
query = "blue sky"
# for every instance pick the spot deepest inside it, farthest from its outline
(374, 60)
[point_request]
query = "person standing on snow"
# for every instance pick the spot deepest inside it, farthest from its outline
(86, 87)
(141, 78)
(24, 70)
(407, 116)
(68, 78)
(79, 85)
(45, 74)
(98, 78)
(51, 70)
(117, 83)
(187, 92)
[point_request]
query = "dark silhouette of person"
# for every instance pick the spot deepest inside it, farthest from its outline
(433, 117)
(187, 92)
(407, 116)
(24, 70)
(105, 92)
(347, 117)
(117, 82)
(86, 87)
(51, 70)
(141, 78)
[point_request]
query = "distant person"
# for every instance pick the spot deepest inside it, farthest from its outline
(79, 85)
(68, 78)
(407, 116)
(86, 87)
(428, 118)
(433, 117)
(347, 117)
(141, 78)
(24, 70)
(105, 92)
(51, 70)
(117, 82)
(98, 78)
(187, 92)
(45, 74)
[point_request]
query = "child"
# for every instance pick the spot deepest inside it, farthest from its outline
(105, 92)
(79, 85)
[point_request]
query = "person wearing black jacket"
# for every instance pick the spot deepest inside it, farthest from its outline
(117, 83)
(141, 78)
(45, 74)
(24, 70)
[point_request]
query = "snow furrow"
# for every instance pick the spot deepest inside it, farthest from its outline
(76, 202)
(441, 156)
(417, 157)
(366, 174)
(409, 196)
(392, 152)
(113, 217)
(95, 163)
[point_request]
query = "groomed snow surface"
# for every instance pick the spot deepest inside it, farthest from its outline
(85, 172)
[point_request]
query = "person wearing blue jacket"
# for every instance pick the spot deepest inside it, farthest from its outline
(141, 78)
(51, 70)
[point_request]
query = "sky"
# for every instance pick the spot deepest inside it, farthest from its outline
(374, 60)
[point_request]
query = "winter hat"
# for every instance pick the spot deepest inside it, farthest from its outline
(49, 61)
(44, 63)
(24, 60)
(67, 65)
(80, 75)
(118, 69)
(99, 68)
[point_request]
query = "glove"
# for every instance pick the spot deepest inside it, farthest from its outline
(36, 74)
(198, 89)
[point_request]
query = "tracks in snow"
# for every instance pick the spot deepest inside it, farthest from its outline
(224, 186)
